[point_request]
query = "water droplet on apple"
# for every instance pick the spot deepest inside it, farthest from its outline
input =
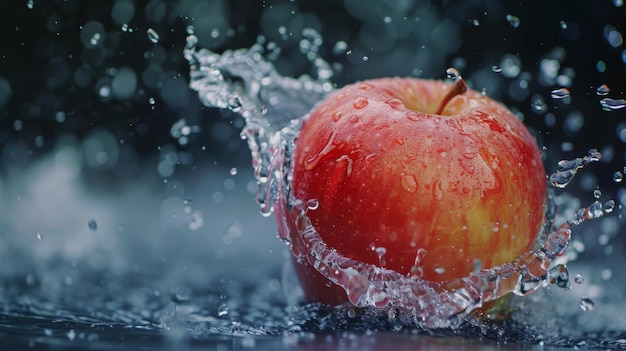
(609, 104)
(395, 104)
(467, 168)
(336, 116)
(413, 116)
(419, 256)
(437, 191)
(360, 102)
(409, 182)
(399, 140)
(470, 154)
(440, 270)
(495, 227)
(586, 304)
(312, 204)
(353, 118)
(560, 93)
(416, 272)
(513, 20)
(452, 73)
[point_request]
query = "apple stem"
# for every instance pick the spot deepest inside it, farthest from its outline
(458, 88)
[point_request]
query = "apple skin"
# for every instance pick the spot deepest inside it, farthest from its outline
(433, 196)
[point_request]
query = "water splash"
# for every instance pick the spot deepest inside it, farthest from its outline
(609, 104)
(567, 169)
(272, 105)
(274, 108)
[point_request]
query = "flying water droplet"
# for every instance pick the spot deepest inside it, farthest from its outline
(496, 69)
(95, 39)
(513, 20)
(233, 171)
(340, 48)
(559, 93)
(181, 294)
(592, 212)
(603, 90)
(586, 304)
(92, 225)
(579, 279)
(153, 36)
(30, 4)
(567, 169)
(618, 177)
(609, 104)
(609, 206)
(222, 310)
(511, 65)
(538, 105)
(475, 22)
(559, 276)
(235, 103)
(597, 193)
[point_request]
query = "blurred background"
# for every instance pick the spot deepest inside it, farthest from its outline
(122, 198)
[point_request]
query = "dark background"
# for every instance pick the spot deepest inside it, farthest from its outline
(42, 53)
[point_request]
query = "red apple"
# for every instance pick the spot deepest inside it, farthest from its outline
(417, 176)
